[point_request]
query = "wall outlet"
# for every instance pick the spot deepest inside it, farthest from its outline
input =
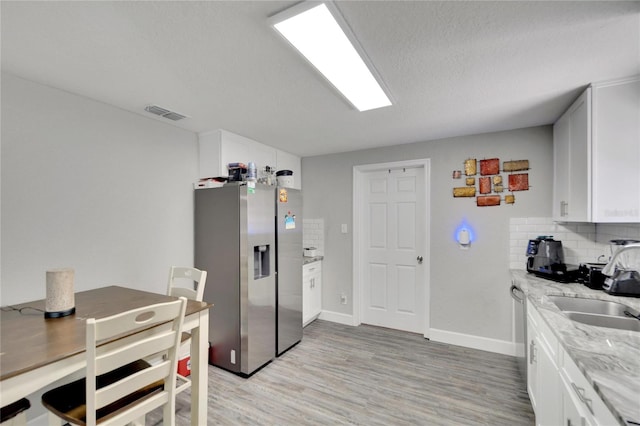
(343, 299)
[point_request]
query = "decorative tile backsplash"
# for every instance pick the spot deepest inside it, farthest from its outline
(313, 234)
(582, 242)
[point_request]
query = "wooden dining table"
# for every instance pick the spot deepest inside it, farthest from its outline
(35, 352)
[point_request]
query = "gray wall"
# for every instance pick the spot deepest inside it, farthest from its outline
(93, 187)
(469, 289)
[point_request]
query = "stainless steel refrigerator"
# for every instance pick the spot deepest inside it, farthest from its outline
(235, 243)
(289, 268)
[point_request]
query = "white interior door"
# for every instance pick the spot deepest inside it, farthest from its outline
(392, 241)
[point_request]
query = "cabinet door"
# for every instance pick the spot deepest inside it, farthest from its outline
(578, 208)
(572, 162)
(548, 402)
(306, 296)
(316, 292)
(583, 396)
(311, 295)
(532, 362)
(572, 410)
(616, 151)
(543, 380)
(561, 139)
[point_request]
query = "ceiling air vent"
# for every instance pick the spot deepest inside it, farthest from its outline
(163, 112)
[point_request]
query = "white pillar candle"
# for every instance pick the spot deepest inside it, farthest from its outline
(60, 296)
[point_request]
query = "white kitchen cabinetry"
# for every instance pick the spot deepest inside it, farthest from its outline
(616, 151)
(596, 155)
(311, 291)
(559, 392)
(220, 147)
(542, 373)
(581, 404)
(571, 147)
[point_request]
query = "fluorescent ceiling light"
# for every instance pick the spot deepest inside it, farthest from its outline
(334, 51)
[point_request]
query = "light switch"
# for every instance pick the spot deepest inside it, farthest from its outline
(343, 228)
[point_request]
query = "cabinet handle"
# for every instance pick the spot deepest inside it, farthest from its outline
(580, 392)
(532, 352)
(564, 210)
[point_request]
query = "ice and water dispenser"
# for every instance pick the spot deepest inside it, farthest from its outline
(261, 261)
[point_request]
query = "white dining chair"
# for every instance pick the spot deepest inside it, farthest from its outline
(189, 283)
(15, 414)
(120, 387)
(186, 282)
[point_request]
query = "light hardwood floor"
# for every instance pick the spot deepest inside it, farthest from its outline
(368, 376)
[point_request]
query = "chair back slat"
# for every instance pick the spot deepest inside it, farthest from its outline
(127, 322)
(184, 292)
(144, 348)
(192, 282)
(139, 380)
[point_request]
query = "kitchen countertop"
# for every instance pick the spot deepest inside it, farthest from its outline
(311, 259)
(608, 358)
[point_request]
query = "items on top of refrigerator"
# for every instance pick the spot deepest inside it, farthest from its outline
(252, 174)
(210, 182)
(285, 178)
(237, 172)
(267, 176)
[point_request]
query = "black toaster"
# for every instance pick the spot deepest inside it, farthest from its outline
(590, 274)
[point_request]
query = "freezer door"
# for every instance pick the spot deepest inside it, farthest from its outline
(289, 264)
(258, 291)
(217, 250)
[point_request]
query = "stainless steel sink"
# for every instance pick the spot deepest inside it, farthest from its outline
(621, 323)
(591, 306)
(601, 313)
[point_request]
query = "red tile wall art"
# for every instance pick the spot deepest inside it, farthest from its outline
(483, 180)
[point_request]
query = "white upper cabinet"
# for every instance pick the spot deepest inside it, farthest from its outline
(616, 151)
(220, 147)
(571, 148)
(597, 155)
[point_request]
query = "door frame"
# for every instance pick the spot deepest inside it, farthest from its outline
(359, 173)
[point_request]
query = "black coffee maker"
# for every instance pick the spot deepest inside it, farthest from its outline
(545, 258)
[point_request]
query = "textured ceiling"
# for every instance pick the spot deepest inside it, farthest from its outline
(453, 68)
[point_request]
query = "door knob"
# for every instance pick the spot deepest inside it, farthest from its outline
(419, 258)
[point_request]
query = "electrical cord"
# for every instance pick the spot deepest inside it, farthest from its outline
(20, 310)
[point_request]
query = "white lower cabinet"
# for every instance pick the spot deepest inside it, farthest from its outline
(582, 404)
(543, 373)
(559, 392)
(572, 410)
(311, 291)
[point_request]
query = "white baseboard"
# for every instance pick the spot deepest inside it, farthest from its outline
(465, 340)
(475, 342)
(338, 317)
